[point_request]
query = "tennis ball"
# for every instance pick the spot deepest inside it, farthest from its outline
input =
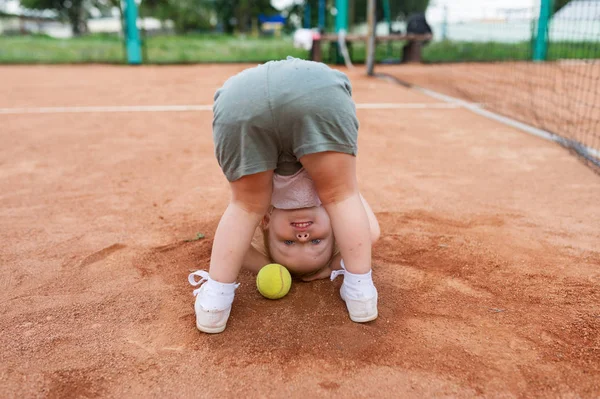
(273, 281)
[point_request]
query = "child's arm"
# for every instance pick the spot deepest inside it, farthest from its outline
(254, 260)
(336, 261)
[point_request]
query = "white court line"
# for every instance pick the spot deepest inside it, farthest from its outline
(121, 108)
(187, 108)
(408, 106)
(478, 109)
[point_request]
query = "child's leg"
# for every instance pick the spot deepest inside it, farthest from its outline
(250, 200)
(251, 196)
(334, 175)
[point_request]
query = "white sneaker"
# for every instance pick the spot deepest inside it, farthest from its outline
(359, 293)
(213, 302)
(361, 309)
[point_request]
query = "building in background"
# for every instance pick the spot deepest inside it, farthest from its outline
(16, 20)
(271, 25)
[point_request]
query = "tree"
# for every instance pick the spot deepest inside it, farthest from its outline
(187, 15)
(74, 11)
(558, 4)
(239, 14)
(226, 13)
(358, 9)
(399, 9)
(404, 8)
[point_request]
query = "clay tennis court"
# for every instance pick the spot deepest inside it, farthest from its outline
(488, 268)
(562, 97)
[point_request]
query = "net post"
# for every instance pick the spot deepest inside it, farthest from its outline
(132, 34)
(445, 23)
(540, 49)
(341, 27)
(370, 37)
(387, 12)
(341, 18)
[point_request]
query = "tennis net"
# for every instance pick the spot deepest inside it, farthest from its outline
(491, 55)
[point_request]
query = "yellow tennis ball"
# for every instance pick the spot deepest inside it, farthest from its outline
(273, 281)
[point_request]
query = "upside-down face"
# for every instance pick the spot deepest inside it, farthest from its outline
(300, 239)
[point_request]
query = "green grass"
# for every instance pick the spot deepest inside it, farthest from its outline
(220, 48)
(45, 50)
(574, 50)
(447, 51)
(159, 50)
(211, 48)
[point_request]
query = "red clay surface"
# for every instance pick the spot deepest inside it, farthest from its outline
(561, 97)
(488, 267)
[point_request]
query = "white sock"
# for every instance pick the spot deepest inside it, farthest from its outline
(357, 286)
(215, 295)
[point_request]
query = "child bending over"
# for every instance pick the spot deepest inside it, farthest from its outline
(273, 124)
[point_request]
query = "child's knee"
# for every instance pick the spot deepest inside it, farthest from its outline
(252, 204)
(336, 191)
(334, 175)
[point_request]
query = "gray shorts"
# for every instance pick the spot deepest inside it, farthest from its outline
(268, 117)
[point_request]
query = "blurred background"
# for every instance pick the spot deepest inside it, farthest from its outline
(208, 31)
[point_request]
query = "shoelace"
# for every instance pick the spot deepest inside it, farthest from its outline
(203, 274)
(335, 273)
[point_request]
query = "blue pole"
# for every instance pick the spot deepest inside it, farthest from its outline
(540, 49)
(321, 14)
(307, 21)
(132, 35)
(341, 18)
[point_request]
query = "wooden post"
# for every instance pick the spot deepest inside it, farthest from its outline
(370, 37)
(315, 51)
(411, 52)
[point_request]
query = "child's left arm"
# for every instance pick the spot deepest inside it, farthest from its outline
(335, 263)
(254, 260)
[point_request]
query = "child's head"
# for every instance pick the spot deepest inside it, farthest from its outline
(300, 239)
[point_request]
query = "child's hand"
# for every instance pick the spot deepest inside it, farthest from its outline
(325, 272)
(319, 274)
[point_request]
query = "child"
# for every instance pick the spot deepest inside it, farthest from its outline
(278, 118)
(297, 233)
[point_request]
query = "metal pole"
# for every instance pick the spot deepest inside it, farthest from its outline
(370, 37)
(387, 12)
(322, 15)
(540, 49)
(445, 23)
(307, 21)
(341, 18)
(132, 37)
